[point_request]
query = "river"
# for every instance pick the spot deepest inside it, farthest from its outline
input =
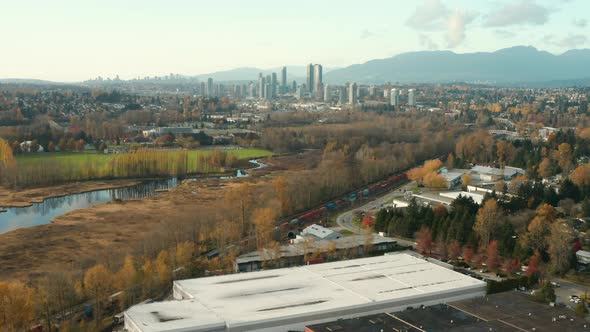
(44, 212)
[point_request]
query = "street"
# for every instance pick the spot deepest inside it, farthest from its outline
(345, 220)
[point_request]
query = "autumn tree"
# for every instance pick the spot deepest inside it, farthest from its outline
(58, 294)
(164, 268)
(581, 176)
(533, 266)
(466, 179)
(511, 265)
(434, 180)
(17, 306)
(454, 250)
(98, 285)
(492, 255)
(468, 254)
(127, 279)
(539, 228)
(148, 277)
(560, 247)
(546, 168)
(565, 156)
(264, 219)
(489, 219)
(424, 241)
(7, 164)
(281, 187)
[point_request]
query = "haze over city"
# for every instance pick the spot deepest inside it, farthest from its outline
(294, 166)
(68, 40)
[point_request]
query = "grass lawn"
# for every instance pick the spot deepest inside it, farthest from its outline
(100, 159)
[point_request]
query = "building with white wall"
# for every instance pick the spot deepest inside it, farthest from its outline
(290, 299)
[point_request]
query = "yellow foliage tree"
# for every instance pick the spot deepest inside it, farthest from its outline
(17, 307)
(98, 285)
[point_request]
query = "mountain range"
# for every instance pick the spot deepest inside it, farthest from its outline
(515, 65)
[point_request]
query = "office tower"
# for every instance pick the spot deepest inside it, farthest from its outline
(283, 80)
(273, 85)
(243, 90)
(352, 93)
(411, 97)
(394, 97)
(237, 91)
(203, 89)
(209, 87)
(372, 91)
(220, 90)
(299, 93)
(294, 86)
(319, 92)
(342, 95)
(327, 93)
(386, 92)
(317, 78)
(309, 82)
(261, 84)
(268, 92)
(251, 90)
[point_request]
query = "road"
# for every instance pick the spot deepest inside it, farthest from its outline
(566, 289)
(345, 220)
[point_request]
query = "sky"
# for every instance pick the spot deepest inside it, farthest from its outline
(75, 40)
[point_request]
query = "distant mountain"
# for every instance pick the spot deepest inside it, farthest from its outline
(27, 81)
(516, 65)
(297, 73)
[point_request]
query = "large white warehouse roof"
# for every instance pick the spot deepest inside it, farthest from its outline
(291, 297)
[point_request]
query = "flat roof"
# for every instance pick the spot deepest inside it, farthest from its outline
(301, 294)
(297, 249)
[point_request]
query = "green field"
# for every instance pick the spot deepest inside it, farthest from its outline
(99, 159)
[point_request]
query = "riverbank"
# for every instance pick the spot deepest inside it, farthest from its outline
(26, 197)
(107, 232)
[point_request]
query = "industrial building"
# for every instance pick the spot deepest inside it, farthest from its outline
(290, 299)
(306, 247)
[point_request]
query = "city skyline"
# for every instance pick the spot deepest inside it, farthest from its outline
(72, 41)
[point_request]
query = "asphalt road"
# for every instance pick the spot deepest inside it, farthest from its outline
(345, 220)
(566, 289)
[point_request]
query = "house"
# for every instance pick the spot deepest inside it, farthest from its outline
(453, 177)
(320, 233)
(27, 145)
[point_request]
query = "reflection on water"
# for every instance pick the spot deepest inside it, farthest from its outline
(43, 213)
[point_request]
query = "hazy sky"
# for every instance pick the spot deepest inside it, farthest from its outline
(69, 40)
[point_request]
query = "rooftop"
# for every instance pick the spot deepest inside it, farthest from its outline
(292, 250)
(295, 295)
(320, 232)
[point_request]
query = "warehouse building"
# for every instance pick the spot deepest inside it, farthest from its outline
(303, 250)
(290, 299)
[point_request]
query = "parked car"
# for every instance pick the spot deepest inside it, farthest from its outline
(555, 284)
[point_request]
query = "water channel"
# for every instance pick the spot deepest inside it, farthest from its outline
(42, 213)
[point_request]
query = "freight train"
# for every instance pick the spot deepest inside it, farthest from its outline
(315, 215)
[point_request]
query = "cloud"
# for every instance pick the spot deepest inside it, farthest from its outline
(367, 34)
(518, 13)
(456, 24)
(427, 42)
(434, 15)
(572, 41)
(580, 22)
(429, 15)
(504, 33)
